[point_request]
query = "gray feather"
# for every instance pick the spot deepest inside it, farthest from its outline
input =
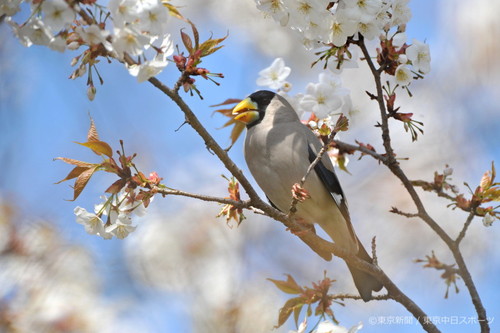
(278, 151)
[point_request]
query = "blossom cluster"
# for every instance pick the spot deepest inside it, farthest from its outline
(118, 209)
(324, 98)
(125, 28)
(130, 194)
(333, 22)
(338, 24)
(318, 106)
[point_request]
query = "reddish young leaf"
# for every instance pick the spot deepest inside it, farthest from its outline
(98, 147)
(196, 35)
(342, 123)
(77, 171)
(188, 43)
(117, 186)
(228, 101)
(75, 162)
(92, 134)
(493, 171)
(82, 181)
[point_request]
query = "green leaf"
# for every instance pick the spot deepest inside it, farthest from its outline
(289, 286)
(210, 46)
(341, 160)
(296, 313)
(288, 308)
(173, 11)
(98, 147)
(209, 52)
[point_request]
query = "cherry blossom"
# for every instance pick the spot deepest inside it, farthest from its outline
(403, 75)
(401, 13)
(9, 7)
(92, 223)
(94, 35)
(129, 40)
(419, 55)
(32, 32)
(275, 75)
(57, 14)
(325, 97)
(342, 27)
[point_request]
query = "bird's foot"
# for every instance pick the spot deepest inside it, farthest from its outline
(306, 227)
(299, 193)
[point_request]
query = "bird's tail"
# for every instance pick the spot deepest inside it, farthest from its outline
(364, 282)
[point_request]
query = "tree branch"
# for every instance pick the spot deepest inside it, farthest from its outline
(467, 223)
(238, 204)
(350, 147)
(322, 247)
(357, 297)
(395, 168)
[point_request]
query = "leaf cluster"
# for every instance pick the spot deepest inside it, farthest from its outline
(189, 65)
(306, 297)
(450, 274)
(129, 177)
(230, 212)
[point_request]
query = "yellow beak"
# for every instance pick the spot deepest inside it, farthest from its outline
(246, 111)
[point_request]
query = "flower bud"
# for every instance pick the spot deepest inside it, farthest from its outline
(448, 171)
(73, 46)
(488, 220)
(91, 91)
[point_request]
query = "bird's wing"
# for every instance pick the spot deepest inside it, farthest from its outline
(332, 184)
(272, 204)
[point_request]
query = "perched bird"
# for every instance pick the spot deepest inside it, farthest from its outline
(278, 152)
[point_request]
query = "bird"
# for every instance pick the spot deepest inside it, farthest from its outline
(278, 150)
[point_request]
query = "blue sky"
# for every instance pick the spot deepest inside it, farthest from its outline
(49, 112)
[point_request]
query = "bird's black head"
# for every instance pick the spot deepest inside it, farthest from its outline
(251, 110)
(262, 98)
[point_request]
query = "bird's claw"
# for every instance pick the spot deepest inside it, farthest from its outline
(299, 193)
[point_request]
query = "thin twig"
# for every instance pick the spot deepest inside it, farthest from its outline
(349, 147)
(322, 151)
(374, 251)
(225, 201)
(399, 212)
(467, 223)
(357, 297)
